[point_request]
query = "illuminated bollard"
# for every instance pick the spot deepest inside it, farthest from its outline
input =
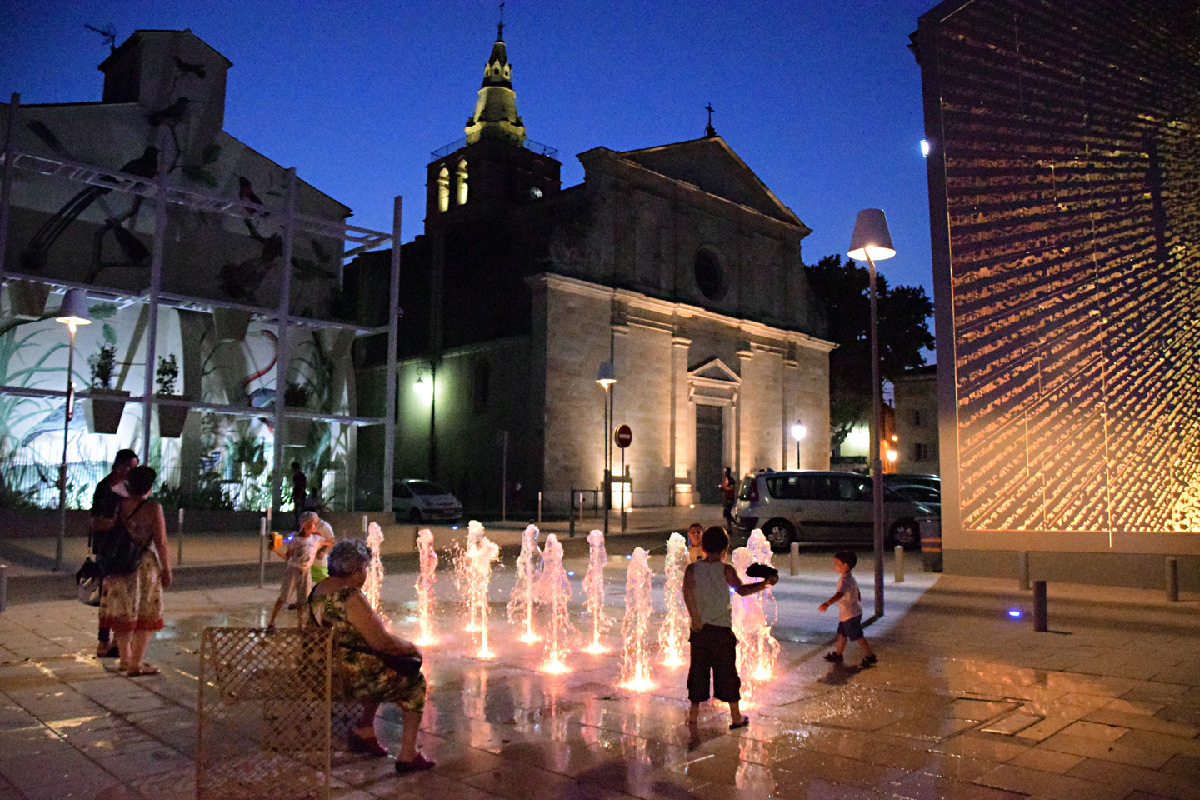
(794, 559)
(1039, 606)
(1023, 571)
(899, 564)
(262, 551)
(179, 544)
(1172, 579)
(3, 587)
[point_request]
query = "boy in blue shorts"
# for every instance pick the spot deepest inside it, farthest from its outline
(849, 611)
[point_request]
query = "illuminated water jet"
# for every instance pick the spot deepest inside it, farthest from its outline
(753, 617)
(676, 624)
(426, 579)
(374, 580)
(473, 570)
(554, 592)
(593, 590)
(635, 628)
(521, 604)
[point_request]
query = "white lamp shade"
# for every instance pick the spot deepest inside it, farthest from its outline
(871, 236)
(605, 376)
(74, 308)
(799, 431)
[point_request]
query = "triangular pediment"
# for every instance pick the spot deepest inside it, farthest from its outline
(714, 369)
(711, 165)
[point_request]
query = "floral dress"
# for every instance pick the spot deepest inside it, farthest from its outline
(359, 675)
(133, 602)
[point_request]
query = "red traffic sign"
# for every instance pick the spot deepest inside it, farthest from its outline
(623, 436)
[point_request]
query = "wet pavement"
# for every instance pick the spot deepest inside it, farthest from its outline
(966, 702)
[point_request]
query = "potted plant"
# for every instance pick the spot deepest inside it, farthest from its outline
(28, 298)
(105, 404)
(171, 419)
(296, 395)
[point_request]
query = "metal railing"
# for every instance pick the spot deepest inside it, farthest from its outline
(528, 144)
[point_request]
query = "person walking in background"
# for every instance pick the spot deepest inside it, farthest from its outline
(108, 494)
(131, 604)
(299, 491)
(706, 585)
(728, 495)
(849, 611)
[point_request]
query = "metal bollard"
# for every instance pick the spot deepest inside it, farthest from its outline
(1039, 606)
(794, 559)
(3, 587)
(899, 564)
(179, 544)
(366, 522)
(1172, 579)
(539, 508)
(262, 552)
(1023, 571)
(581, 506)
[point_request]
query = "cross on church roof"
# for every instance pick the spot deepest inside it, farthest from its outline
(710, 130)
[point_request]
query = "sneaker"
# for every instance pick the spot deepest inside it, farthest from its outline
(868, 661)
(833, 658)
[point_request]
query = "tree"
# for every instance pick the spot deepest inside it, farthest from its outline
(843, 289)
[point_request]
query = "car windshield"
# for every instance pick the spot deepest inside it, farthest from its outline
(425, 488)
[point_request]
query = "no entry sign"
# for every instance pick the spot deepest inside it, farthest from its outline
(623, 436)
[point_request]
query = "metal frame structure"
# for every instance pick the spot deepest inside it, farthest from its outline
(161, 193)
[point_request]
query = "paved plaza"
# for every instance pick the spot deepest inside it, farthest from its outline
(966, 702)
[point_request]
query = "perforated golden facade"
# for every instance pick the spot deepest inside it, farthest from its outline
(264, 714)
(1065, 200)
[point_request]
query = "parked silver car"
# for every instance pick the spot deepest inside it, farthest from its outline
(825, 507)
(416, 501)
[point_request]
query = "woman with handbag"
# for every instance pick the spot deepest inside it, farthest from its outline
(137, 569)
(371, 664)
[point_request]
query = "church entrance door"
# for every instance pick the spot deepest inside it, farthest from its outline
(710, 435)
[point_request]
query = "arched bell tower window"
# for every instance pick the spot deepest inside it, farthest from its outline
(710, 277)
(462, 182)
(444, 189)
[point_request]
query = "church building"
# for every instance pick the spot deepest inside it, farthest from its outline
(673, 264)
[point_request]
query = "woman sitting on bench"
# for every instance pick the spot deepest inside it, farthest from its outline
(371, 665)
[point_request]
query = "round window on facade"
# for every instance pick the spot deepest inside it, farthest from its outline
(710, 278)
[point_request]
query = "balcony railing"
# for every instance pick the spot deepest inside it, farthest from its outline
(528, 144)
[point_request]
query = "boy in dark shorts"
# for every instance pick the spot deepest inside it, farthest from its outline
(849, 611)
(706, 586)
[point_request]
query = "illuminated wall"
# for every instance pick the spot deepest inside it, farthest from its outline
(1065, 201)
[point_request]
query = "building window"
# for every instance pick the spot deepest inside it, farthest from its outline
(916, 416)
(710, 279)
(444, 189)
(921, 452)
(462, 183)
(481, 377)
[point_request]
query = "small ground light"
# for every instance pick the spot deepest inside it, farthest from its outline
(1015, 613)
(571, 574)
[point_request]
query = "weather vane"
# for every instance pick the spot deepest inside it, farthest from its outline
(500, 27)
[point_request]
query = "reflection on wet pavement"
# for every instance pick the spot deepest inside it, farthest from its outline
(964, 703)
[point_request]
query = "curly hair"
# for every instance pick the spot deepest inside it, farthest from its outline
(348, 556)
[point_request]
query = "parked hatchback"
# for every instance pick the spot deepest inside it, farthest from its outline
(417, 501)
(825, 507)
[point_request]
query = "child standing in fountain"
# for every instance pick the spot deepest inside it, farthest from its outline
(706, 586)
(849, 611)
(300, 555)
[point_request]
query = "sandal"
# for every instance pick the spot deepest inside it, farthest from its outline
(142, 670)
(833, 657)
(733, 726)
(419, 764)
(361, 744)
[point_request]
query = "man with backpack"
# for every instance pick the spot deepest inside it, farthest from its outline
(109, 493)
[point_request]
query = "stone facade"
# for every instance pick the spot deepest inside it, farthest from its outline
(916, 421)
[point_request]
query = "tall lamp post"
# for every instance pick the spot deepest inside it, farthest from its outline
(798, 433)
(606, 378)
(73, 312)
(872, 241)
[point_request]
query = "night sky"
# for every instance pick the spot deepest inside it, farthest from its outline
(821, 99)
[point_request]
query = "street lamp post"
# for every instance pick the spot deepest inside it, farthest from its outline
(872, 241)
(73, 312)
(798, 433)
(606, 378)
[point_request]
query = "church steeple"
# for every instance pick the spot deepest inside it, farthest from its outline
(496, 107)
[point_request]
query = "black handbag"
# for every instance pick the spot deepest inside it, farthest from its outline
(119, 554)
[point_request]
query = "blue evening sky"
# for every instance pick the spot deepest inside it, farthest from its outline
(820, 98)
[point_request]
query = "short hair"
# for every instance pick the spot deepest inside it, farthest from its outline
(123, 457)
(847, 557)
(348, 556)
(305, 516)
(295, 465)
(141, 480)
(714, 540)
